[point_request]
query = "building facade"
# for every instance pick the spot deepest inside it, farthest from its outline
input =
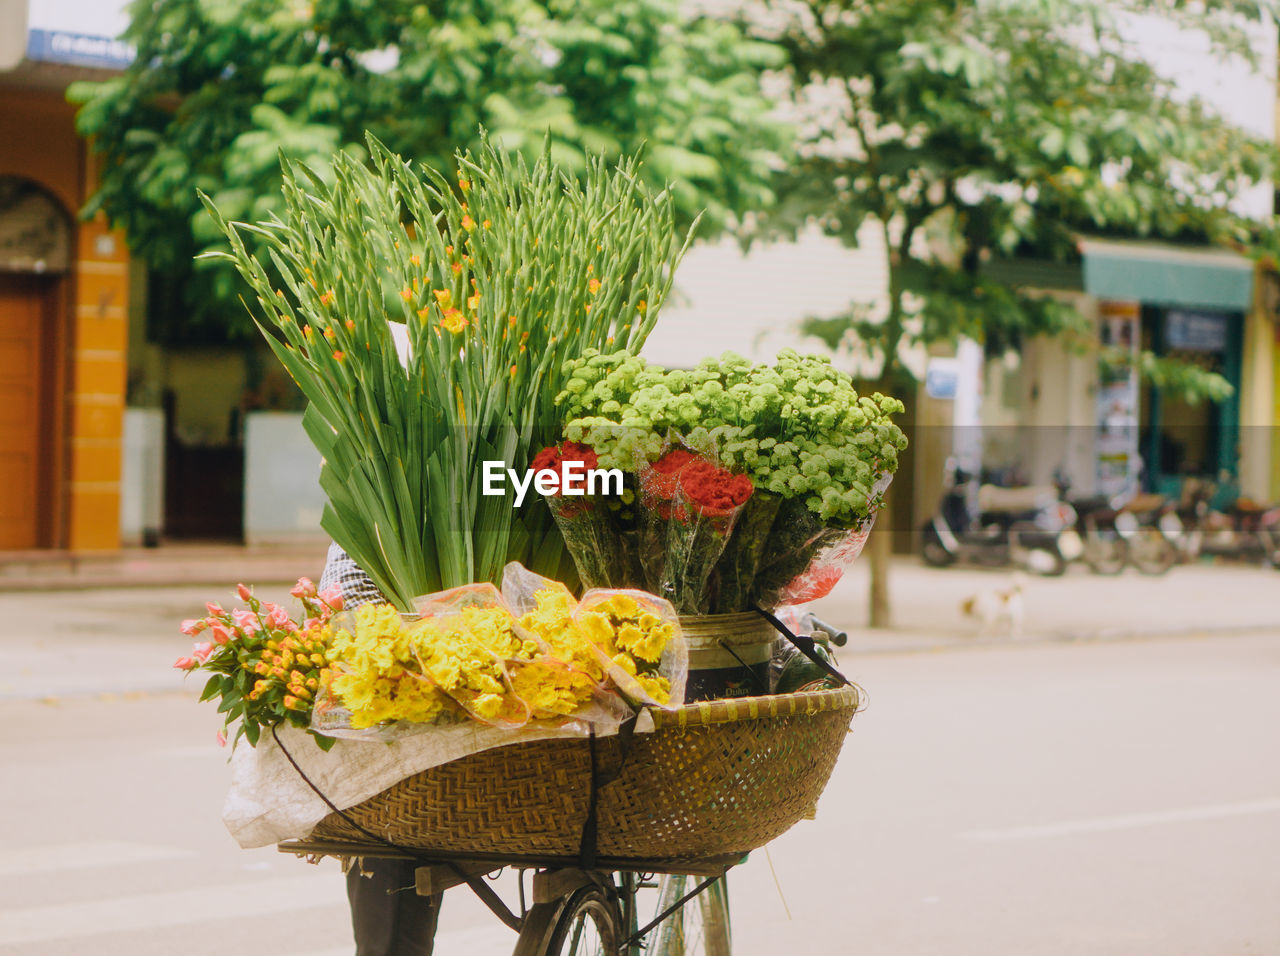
(64, 299)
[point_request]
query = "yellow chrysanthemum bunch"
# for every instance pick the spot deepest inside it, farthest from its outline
(374, 674)
(552, 620)
(633, 636)
(463, 654)
(547, 664)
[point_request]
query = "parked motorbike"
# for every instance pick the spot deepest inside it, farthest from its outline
(1154, 534)
(1029, 526)
(1142, 530)
(1221, 523)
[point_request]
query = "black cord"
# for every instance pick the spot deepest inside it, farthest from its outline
(755, 678)
(805, 646)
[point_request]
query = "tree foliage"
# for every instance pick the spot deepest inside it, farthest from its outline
(220, 87)
(980, 130)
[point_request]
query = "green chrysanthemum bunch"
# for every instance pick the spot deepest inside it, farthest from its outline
(799, 428)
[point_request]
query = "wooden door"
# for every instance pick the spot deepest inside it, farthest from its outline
(22, 357)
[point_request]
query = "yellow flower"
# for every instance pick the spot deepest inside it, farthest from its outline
(453, 321)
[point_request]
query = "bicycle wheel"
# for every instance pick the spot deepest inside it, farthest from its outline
(588, 925)
(585, 923)
(699, 928)
(1151, 552)
(1105, 553)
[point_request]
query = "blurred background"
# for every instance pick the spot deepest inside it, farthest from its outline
(1049, 226)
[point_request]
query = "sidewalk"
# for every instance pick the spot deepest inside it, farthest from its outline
(110, 626)
(164, 566)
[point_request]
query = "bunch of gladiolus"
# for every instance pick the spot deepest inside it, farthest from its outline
(265, 667)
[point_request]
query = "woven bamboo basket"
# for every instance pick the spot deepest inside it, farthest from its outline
(714, 779)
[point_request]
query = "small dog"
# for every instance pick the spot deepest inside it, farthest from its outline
(997, 611)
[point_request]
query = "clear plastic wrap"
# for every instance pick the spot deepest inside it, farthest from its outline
(464, 659)
(545, 608)
(689, 507)
(638, 640)
(808, 557)
(827, 568)
(590, 527)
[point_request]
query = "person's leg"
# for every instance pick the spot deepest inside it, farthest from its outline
(387, 916)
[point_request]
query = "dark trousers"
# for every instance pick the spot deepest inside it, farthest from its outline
(388, 917)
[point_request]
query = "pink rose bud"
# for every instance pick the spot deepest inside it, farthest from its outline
(203, 650)
(332, 596)
(221, 738)
(244, 592)
(219, 634)
(277, 616)
(193, 626)
(303, 589)
(215, 610)
(185, 663)
(246, 621)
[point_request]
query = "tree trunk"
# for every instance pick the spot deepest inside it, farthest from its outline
(880, 550)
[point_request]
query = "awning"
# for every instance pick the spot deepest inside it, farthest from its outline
(1163, 274)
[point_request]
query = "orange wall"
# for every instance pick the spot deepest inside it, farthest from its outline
(38, 141)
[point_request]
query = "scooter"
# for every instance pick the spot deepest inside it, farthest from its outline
(1142, 530)
(1221, 523)
(1029, 526)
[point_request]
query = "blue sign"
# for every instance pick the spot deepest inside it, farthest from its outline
(942, 378)
(1196, 331)
(79, 49)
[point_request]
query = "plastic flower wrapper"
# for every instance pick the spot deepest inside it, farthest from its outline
(462, 642)
(372, 691)
(638, 639)
(659, 482)
(707, 503)
(810, 557)
(744, 552)
(589, 526)
(545, 609)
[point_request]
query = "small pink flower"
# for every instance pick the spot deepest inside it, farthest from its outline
(203, 650)
(220, 634)
(246, 621)
(193, 626)
(305, 588)
(244, 592)
(278, 617)
(185, 663)
(332, 596)
(221, 738)
(312, 623)
(215, 610)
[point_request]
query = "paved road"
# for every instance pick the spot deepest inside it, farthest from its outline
(1111, 797)
(75, 643)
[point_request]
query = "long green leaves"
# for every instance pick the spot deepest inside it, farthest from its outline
(499, 276)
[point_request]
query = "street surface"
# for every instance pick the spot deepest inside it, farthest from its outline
(1067, 793)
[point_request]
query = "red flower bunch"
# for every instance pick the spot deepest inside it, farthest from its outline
(661, 477)
(714, 491)
(553, 459)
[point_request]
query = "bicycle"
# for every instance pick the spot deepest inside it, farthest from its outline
(602, 811)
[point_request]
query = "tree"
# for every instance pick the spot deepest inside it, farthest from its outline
(967, 131)
(220, 87)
